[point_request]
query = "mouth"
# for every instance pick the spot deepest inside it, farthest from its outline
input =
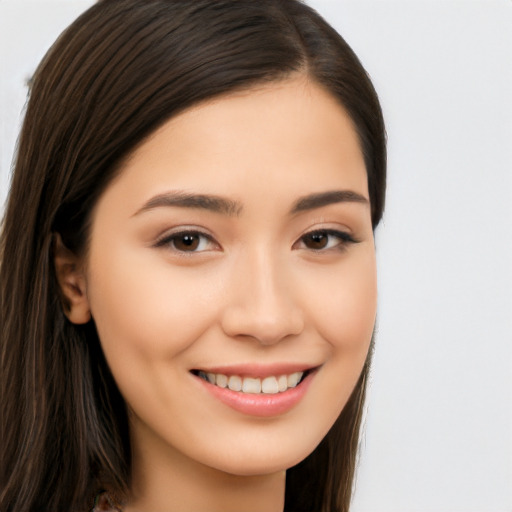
(269, 385)
(257, 391)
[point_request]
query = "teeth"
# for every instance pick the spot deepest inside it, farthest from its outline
(221, 380)
(294, 379)
(235, 383)
(251, 385)
(268, 385)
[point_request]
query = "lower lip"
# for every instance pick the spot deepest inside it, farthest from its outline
(260, 404)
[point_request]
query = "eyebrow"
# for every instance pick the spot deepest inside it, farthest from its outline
(312, 201)
(222, 205)
(208, 202)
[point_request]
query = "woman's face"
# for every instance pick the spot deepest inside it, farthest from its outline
(236, 245)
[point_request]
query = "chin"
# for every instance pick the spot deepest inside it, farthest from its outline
(259, 462)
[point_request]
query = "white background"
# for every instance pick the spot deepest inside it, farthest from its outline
(438, 432)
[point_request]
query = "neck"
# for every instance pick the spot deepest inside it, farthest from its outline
(164, 480)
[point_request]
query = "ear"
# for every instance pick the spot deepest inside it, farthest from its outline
(72, 283)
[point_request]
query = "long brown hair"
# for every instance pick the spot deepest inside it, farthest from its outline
(118, 72)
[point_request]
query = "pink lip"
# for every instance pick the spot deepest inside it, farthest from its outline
(260, 404)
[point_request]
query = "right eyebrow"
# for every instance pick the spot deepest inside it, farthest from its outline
(183, 199)
(312, 201)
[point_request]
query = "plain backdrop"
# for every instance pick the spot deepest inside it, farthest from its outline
(438, 429)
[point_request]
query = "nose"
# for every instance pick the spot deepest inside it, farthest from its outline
(261, 302)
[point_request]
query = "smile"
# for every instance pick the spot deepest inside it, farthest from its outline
(264, 396)
(270, 385)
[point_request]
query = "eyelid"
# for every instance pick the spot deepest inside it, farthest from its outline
(167, 237)
(345, 238)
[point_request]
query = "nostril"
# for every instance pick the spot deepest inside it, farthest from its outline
(266, 329)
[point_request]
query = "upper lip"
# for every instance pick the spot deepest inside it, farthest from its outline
(256, 370)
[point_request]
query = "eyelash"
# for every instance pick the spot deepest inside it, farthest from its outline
(343, 237)
(170, 240)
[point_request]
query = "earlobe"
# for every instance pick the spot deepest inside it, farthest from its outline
(72, 283)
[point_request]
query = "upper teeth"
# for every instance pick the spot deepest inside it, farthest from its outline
(269, 385)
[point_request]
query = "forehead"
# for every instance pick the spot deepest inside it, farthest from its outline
(291, 135)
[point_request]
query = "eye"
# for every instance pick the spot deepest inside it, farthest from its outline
(325, 239)
(188, 241)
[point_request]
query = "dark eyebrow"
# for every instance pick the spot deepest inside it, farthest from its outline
(232, 208)
(185, 200)
(313, 201)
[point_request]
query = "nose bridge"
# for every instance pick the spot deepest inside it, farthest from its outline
(261, 302)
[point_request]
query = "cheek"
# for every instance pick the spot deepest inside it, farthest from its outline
(145, 311)
(345, 318)
(344, 302)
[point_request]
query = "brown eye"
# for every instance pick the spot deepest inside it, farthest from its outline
(316, 240)
(326, 239)
(186, 242)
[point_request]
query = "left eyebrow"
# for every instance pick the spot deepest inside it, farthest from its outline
(181, 199)
(312, 201)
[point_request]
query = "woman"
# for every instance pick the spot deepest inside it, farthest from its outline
(188, 307)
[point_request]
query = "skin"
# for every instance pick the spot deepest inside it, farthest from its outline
(255, 290)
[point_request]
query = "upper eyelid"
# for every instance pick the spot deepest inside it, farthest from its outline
(167, 235)
(344, 234)
(344, 237)
(178, 230)
(326, 224)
